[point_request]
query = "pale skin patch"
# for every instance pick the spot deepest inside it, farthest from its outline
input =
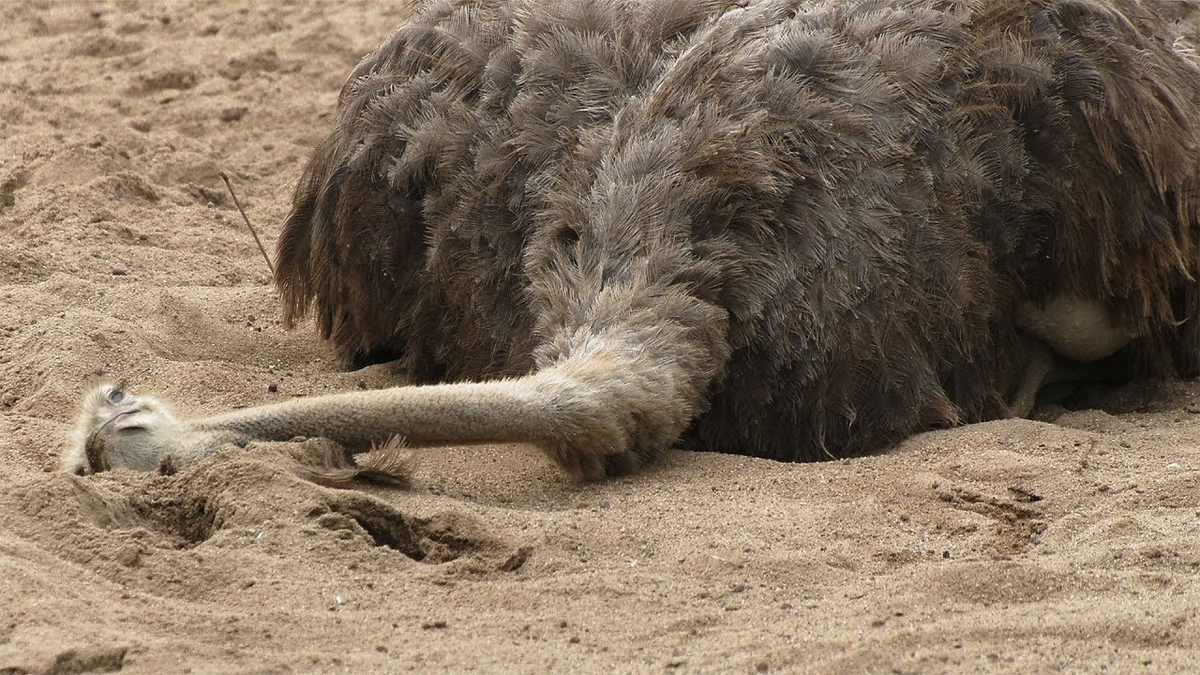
(1081, 329)
(1073, 327)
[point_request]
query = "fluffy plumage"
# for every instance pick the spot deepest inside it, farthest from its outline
(780, 228)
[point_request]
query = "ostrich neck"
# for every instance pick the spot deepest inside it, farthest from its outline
(475, 412)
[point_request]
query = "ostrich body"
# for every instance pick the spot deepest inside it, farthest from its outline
(786, 229)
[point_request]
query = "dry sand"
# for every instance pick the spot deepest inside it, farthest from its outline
(1034, 546)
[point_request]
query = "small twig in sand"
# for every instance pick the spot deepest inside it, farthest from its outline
(253, 233)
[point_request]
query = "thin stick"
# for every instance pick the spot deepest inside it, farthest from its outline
(238, 203)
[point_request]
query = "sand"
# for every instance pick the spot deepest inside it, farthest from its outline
(1065, 544)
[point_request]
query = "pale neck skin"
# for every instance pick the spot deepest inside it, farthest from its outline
(503, 410)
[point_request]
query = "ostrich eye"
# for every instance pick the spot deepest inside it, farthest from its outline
(116, 396)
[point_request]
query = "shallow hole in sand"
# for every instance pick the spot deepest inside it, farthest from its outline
(89, 660)
(435, 540)
(191, 519)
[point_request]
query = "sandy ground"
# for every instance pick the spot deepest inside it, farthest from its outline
(1034, 546)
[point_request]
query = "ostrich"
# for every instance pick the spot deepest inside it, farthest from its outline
(793, 229)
